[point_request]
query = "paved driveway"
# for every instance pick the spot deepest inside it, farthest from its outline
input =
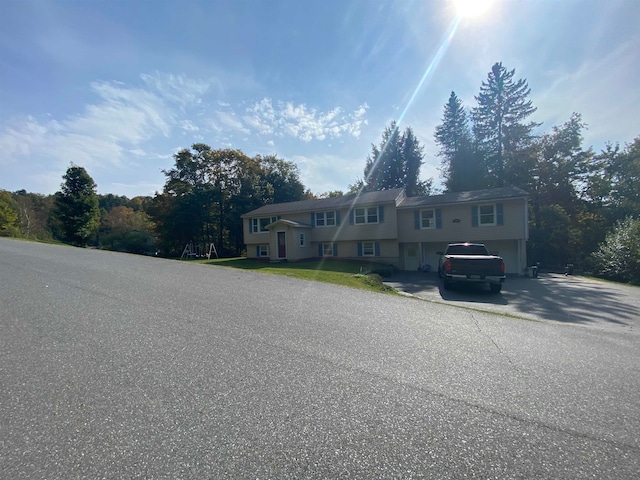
(568, 299)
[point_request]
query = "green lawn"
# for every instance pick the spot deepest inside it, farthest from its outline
(348, 274)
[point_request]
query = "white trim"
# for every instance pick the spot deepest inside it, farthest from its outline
(326, 245)
(366, 215)
(325, 218)
(373, 249)
(494, 215)
(256, 224)
(433, 219)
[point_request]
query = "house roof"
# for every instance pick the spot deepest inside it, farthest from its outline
(474, 196)
(382, 196)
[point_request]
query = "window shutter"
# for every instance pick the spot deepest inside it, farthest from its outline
(351, 216)
(416, 219)
(335, 249)
(377, 248)
(499, 214)
(313, 219)
(319, 249)
(474, 216)
(258, 251)
(337, 218)
(359, 249)
(438, 218)
(381, 214)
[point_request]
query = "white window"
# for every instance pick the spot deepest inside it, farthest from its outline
(259, 225)
(327, 249)
(263, 250)
(326, 219)
(368, 249)
(487, 215)
(427, 219)
(365, 215)
(302, 241)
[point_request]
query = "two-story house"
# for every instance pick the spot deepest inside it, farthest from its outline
(389, 227)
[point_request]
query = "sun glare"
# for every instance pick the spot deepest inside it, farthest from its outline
(472, 8)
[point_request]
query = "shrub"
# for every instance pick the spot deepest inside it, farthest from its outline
(618, 257)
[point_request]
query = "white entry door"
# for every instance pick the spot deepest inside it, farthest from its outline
(411, 256)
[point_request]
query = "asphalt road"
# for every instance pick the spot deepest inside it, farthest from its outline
(119, 366)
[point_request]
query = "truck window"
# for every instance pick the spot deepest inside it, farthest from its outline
(467, 250)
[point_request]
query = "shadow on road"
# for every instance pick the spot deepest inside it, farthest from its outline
(570, 299)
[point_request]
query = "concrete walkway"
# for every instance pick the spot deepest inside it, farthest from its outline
(550, 297)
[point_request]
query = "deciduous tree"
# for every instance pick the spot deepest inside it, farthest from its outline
(208, 190)
(618, 257)
(9, 218)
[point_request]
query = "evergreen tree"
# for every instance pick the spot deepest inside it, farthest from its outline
(460, 168)
(412, 154)
(395, 163)
(498, 121)
(76, 206)
(383, 169)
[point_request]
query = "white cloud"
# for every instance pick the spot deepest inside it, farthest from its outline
(302, 122)
(228, 121)
(122, 118)
(177, 88)
(115, 132)
(189, 126)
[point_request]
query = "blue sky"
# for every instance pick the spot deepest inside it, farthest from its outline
(117, 87)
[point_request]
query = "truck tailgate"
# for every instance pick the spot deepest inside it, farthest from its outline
(476, 265)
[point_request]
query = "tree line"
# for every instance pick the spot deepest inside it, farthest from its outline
(580, 200)
(204, 195)
(583, 206)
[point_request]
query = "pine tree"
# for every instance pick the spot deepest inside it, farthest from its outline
(412, 154)
(396, 163)
(384, 169)
(460, 168)
(498, 121)
(76, 206)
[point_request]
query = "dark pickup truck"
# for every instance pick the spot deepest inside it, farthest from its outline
(471, 263)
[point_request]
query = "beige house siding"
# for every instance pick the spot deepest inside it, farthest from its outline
(399, 242)
(457, 224)
(388, 250)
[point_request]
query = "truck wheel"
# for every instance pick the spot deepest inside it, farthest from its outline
(495, 287)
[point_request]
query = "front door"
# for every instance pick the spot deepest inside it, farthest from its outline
(411, 256)
(282, 244)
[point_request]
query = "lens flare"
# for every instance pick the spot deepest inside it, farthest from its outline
(471, 8)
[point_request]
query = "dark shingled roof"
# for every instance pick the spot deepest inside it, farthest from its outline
(382, 196)
(464, 197)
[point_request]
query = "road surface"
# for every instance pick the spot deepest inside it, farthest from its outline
(120, 366)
